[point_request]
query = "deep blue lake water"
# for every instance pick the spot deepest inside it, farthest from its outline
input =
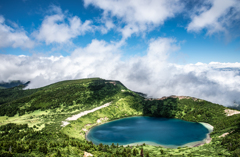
(161, 131)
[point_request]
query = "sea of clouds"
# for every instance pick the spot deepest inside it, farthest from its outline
(152, 73)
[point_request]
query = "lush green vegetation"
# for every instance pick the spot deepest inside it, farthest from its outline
(66, 93)
(14, 93)
(201, 111)
(30, 120)
(186, 109)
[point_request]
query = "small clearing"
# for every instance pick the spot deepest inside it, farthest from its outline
(99, 121)
(75, 117)
(230, 112)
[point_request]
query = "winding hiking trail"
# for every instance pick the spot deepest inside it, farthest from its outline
(75, 117)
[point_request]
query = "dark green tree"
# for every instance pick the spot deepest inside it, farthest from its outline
(113, 155)
(117, 152)
(134, 152)
(58, 153)
(43, 149)
(113, 146)
(129, 150)
(162, 152)
(147, 154)
(124, 154)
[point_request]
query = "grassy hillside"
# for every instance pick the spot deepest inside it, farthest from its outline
(30, 120)
(14, 93)
(66, 93)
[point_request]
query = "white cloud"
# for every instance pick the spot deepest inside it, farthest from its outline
(139, 16)
(108, 26)
(10, 37)
(151, 74)
(95, 59)
(55, 29)
(216, 18)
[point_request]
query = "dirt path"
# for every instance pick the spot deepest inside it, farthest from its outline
(225, 134)
(75, 117)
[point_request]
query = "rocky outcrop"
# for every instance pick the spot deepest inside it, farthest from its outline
(86, 154)
(112, 82)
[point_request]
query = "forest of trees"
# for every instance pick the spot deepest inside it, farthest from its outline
(58, 144)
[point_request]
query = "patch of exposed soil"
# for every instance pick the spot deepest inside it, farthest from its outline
(86, 154)
(230, 112)
(75, 117)
(225, 134)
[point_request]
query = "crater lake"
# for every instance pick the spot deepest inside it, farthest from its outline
(166, 132)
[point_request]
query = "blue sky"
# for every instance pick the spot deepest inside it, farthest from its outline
(196, 44)
(158, 47)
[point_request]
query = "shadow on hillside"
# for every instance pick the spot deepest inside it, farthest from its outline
(161, 108)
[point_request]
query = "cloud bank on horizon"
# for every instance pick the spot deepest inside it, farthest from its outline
(152, 72)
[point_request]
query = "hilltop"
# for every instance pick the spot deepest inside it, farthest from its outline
(31, 120)
(174, 96)
(11, 84)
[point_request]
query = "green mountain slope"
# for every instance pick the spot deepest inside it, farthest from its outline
(66, 93)
(15, 91)
(30, 120)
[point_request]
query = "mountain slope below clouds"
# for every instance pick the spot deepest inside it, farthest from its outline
(65, 93)
(31, 123)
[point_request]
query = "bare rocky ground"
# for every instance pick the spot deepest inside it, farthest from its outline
(230, 112)
(86, 154)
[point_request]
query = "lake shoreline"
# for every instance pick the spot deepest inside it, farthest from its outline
(190, 144)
